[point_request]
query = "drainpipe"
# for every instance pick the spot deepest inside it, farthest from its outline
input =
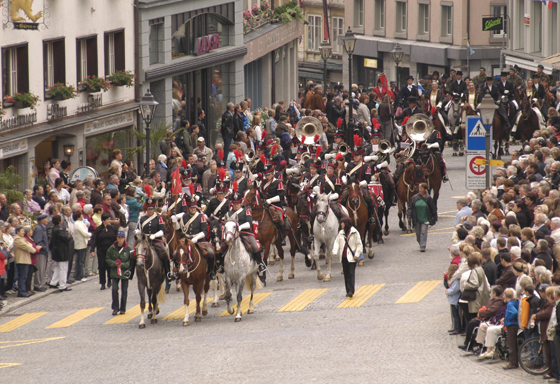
(468, 34)
(137, 72)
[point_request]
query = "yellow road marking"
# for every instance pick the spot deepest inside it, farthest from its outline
(361, 296)
(20, 320)
(257, 298)
(179, 314)
(7, 365)
(129, 315)
(302, 300)
(418, 292)
(74, 318)
(457, 197)
(18, 343)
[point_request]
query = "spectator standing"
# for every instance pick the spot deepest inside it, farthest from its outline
(41, 239)
(103, 237)
(423, 212)
(54, 173)
(23, 250)
(464, 210)
(511, 322)
(4, 207)
(61, 253)
(134, 208)
(348, 247)
(228, 129)
(118, 261)
(81, 237)
(38, 195)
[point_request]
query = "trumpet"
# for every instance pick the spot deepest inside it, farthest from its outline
(343, 149)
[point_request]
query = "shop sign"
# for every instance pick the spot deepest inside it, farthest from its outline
(9, 123)
(492, 23)
(25, 15)
(206, 44)
(108, 124)
(527, 19)
(95, 100)
(14, 148)
(370, 63)
(56, 111)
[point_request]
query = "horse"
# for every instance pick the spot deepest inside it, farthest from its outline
(172, 240)
(240, 269)
(407, 187)
(215, 241)
(151, 277)
(358, 213)
(528, 123)
(303, 211)
(437, 119)
(457, 129)
(432, 172)
(192, 271)
(500, 134)
(325, 230)
(267, 231)
(385, 207)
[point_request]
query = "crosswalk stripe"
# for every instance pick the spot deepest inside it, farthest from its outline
(257, 298)
(74, 318)
(8, 365)
(20, 320)
(129, 315)
(179, 314)
(362, 295)
(418, 292)
(302, 300)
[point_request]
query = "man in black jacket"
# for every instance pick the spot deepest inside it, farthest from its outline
(228, 128)
(490, 268)
(4, 207)
(458, 86)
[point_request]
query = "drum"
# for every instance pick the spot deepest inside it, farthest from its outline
(377, 189)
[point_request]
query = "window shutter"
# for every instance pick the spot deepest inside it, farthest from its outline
(78, 62)
(119, 51)
(107, 54)
(92, 56)
(23, 69)
(59, 59)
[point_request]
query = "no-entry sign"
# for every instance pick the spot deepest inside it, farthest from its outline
(475, 176)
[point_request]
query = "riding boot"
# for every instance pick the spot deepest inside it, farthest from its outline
(441, 164)
(283, 234)
(257, 256)
(311, 221)
(211, 273)
(167, 269)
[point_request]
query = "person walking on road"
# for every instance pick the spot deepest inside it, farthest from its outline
(118, 261)
(348, 248)
(103, 237)
(423, 212)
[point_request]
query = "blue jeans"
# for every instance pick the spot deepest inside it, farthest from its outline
(80, 263)
(22, 270)
(456, 318)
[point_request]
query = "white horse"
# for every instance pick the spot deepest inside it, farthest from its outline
(240, 269)
(325, 230)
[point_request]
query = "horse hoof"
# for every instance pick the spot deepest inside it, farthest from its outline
(215, 304)
(386, 232)
(204, 313)
(360, 263)
(153, 321)
(277, 258)
(186, 323)
(371, 255)
(271, 262)
(322, 256)
(280, 278)
(230, 311)
(237, 319)
(404, 229)
(320, 277)
(177, 289)
(454, 154)
(327, 279)
(380, 241)
(291, 276)
(142, 326)
(149, 316)
(197, 319)
(250, 311)
(222, 296)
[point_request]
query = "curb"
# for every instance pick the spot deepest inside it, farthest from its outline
(37, 296)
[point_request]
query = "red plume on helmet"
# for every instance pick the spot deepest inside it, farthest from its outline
(191, 188)
(235, 185)
(318, 152)
(339, 122)
(221, 154)
(222, 173)
(316, 138)
(273, 150)
(303, 139)
(238, 154)
(357, 140)
(184, 164)
(405, 120)
(148, 190)
(339, 156)
(263, 159)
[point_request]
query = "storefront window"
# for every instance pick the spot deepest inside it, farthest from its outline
(100, 149)
(185, 38)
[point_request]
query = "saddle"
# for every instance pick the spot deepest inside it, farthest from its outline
(246, 242)
(276, 214)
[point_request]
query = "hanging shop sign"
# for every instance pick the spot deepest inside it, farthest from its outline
(25, 14)
(492, 23)
(206, 44)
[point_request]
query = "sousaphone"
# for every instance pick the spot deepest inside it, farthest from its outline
(419, 127)
(308, 127)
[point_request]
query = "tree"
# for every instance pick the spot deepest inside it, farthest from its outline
(159, 132)
(9, 182)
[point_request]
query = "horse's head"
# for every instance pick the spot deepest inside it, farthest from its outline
(251, 197)
(216, 233)
(141, 248)
(182, 255)
(418, 174)
(322, 208)
(525, 108)
(231, 231)
(354, 194)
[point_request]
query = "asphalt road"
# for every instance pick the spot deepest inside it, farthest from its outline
(397, 333)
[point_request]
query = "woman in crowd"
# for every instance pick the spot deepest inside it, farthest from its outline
(423, 212)
(61, 192)
(30, 205)
(348, 248)
(118, 261)
(103, 237)
(22, 251)
(81, 238)
(61, 248)
(453, 295)
(476, 282)
(32, 266)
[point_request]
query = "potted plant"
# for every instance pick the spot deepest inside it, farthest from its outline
(122, 78)
(95, 84)
(61, 91)
(23, 100)
(2, 113)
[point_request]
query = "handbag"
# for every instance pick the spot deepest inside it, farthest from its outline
(468, 295)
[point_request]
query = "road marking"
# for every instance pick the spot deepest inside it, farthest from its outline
(74, 318)
(179, 314)
(129, 315)
(361, 296)
(257, 298)
(302, 300)
(433, 233)
(418, 292)
(7, 365)
(18, 343)
(21, 320)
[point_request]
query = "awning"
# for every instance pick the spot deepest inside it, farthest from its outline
(553, 60)
(529, 65)
(310, 75)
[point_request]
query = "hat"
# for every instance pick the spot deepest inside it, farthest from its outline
(283, 117)
(332, 163)
(200, 138)
(222, 187)
(453, 70)
(237, 198)
(427, 77)
(484, 69)
(379, 81)
(316, 163)
(504, 74)
(268, 169)
(512, 68)
(88, 208)
(459, 73)
(489, 78)
(444, 76)
(150, 203)
(237, 166)
(393, 82)
(412, 99)
(435, 73)
(340, 133)
(162, 158)
(358, 151)
(190, 201)
(43, 216)
(410, 77)
(540, 66)
(302, 149)
(468, 225)
(120, 233)
(187, 173)
(261, 144)
(375, 132)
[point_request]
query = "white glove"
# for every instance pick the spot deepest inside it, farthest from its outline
(152, 237)
(291, 171)
(312, 195)
(363, 183)
(179, 215)
(334, 196)
(506, 92)
(244, 226)
(275, 199)
(197, 237)
(316, 189)
(136, 231)
(368, 159)
(196, 197)
(344, 180)
(330, 156)
(164, 209)
(157, 234)
(212, 190)
(173, 219)
(433, 145)
(382, 165)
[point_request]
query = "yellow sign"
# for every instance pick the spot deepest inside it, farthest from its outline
(493, 163)
(370, 63)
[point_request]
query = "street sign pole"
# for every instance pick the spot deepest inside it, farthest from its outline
(488, 156)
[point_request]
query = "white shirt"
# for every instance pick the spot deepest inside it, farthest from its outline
(63, 195)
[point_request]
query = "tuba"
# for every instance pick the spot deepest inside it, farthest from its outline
(249, 155)
(419, 127)
(304, 157)
(385, 146)
(308, 127)
(407, 153)
(343, 149)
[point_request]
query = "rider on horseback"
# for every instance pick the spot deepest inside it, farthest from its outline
(435, 143)
(273, 190)
(382, 168)
(194, 226)
(241, 180)
(153, 226)
(219, 205)
(494, 91)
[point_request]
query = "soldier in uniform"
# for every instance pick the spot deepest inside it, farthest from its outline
(381, 168)
(241, 180)
(193, 225)
(331, 185)
(219, 205)
(435, 144)
(515, 79)
(361, 172)
(153, 226)
(312, 178)
(409, 90)
(273, 191)
(540, 73)
(479, 79)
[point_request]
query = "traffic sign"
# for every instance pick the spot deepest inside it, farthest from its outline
(476, 134)
(475, 176)
(493, 163)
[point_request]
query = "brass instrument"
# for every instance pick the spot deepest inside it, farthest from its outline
(343, 149)
(308, 127)
(385, 147)
(304, 157)
(419, 127)
(249, 155)
(407, 153)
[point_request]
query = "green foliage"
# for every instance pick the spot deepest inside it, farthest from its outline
(288, 12)
(158, 132)
(63, 91)
(9, 182)
(96, 84)
(122, 78)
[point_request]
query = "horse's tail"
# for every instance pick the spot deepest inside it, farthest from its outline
(258, 284)
(161, 294)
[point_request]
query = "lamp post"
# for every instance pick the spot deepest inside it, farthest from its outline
(487, 109)
(397, 58)
(326, 51)
(349, 41)
(148, 109)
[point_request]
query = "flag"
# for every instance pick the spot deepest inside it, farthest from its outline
(176, 184)
(385, 84)
(549, 3)
(421, 89)
(326, 30)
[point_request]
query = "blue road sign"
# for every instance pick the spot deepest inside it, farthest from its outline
(476, 134)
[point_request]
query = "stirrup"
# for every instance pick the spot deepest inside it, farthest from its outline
(262, 268)
(310, 238)
(445, 178)
(170, 276)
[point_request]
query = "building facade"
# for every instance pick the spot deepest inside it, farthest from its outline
(65, 43)
(434, 35)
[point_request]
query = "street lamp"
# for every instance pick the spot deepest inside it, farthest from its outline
(487, 109)
(148, 109)
(397, 58)
(349, 41)
(326, 51)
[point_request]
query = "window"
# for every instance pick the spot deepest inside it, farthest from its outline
(15, 70)
(156, 41)
(446, 20)
(185, 34)
(114, 52)
(401, 17)
(313, 32)
(379, 14)
(423, 19)
(497, 11)
(337, 30)
(54, 65)
(86, 57)
(358, 13)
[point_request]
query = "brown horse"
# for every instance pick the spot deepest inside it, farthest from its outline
(529, 121)
(407, 187)
(267, 231)
(192, 271)
(432, 172)
(172, 239)
(358, 213)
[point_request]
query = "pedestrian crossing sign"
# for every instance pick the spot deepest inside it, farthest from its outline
(476, 134)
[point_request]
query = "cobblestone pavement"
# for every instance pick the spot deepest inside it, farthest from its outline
(381, 341)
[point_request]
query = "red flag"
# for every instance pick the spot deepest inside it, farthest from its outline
(385, 84)
(176, 184)
(550, 5)
(326, 30)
